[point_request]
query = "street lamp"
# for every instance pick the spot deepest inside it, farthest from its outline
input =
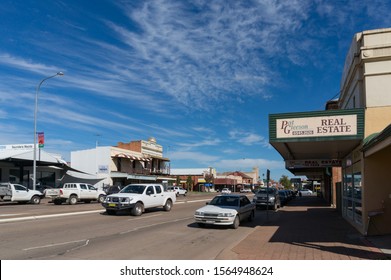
(35, 127)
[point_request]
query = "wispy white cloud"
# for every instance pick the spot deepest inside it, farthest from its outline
(247, 138)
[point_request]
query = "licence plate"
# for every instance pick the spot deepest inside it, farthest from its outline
(112, 205)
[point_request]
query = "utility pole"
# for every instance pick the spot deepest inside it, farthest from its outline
(267, 193)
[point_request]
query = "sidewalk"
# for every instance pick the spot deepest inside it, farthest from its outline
(308, 229)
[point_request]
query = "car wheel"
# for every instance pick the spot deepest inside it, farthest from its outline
(111, 212)
(35, 199)
(251, 217)
(57, 202)
(236, 222)
(72, 199)
(101, 198)
(137, 210)
(168, 205)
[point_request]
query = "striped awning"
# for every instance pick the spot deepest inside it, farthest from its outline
(131, 157)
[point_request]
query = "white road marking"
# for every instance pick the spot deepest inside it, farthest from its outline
(86, 241)
(144, 217)
(73, 213)
(48, 216)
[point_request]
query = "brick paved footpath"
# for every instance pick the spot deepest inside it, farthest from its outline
(305, 229)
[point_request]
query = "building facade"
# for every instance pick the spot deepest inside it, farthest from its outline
(347, 147)
(16, 166)
(133, 162)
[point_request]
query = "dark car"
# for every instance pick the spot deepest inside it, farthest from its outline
(284, 197)
(267, 198)
(112, 189)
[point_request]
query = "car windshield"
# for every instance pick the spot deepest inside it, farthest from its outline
(265, 191)
(133, 189)
(225, 201)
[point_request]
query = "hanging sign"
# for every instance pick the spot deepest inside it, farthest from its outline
(41, 139)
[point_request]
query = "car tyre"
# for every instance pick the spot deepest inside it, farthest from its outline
(101, 198)
(137, 210)
(35, 200)
(72, 199)
(236, 222)
(252, 216)
(167, 207)
(57, 202)
(111, 212)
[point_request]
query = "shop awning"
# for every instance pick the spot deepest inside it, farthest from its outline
(377, 142)
(141, 177)
(132, 157)
(309, 142)
(42, 157)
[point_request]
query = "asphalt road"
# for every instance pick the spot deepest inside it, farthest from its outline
(86, 232)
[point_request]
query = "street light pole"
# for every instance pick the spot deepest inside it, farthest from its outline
(35, 127)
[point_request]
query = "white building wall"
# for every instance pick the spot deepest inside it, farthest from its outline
(93, 161)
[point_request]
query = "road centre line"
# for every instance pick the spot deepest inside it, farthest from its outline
(48, 216)
(86, 241)
(72, 213)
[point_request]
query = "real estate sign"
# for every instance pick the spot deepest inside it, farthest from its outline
(342, 125)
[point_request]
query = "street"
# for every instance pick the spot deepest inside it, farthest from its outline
(86, 232)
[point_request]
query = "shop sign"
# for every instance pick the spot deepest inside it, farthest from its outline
(17, 147)
(312, 163)
(103, 169)
(342, 125)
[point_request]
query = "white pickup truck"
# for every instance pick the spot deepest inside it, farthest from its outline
(18, 193)
(138, 197)
(75, 192)
(178, 190)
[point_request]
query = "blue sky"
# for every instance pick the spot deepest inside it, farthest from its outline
(200, 76)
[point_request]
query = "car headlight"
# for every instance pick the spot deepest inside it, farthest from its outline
(226, 215)
(199, 213)
(271, 198)
(126, 199)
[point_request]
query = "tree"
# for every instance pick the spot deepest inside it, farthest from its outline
(178, 181)
(189, 183)
(284, 180)
(208, 179)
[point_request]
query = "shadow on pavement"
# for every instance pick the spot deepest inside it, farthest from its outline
(310, 229)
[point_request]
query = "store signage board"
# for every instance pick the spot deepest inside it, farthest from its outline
(322, 126)
(312, 163)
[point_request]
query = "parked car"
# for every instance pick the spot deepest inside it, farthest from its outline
(19, 193)
(284, 197)
(226, 210)
(178, 190)
(305, 192)
(226, 190)
(245, 190)
(267, 197)
(75, 192)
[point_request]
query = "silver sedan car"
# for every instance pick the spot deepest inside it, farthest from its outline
(226, 210)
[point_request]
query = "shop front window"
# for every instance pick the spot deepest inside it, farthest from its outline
(352, 193)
